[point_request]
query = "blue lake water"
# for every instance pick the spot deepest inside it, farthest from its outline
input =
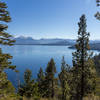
(35, 56)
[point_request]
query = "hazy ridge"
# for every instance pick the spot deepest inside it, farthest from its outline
(21, 40)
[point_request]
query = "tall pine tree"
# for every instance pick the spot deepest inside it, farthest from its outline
(83, 66)
(5, 39)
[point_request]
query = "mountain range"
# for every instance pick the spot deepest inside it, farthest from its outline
(21, 40)
(30, 41)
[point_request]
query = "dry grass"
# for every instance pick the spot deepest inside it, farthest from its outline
(86, 98)
(91, 97)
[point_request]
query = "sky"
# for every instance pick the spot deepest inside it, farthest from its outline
(52, 18)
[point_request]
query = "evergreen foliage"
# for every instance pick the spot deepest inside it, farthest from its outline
(40, 75)
(29, 88)
(5, 62)
(6, 88)
(5, 85)
(83, 66)
(97, 15)
(5, 38)
(65, 78)
(96, 59)
(50, 79)
(41, 81)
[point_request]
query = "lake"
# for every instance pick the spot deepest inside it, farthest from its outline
(35, 56)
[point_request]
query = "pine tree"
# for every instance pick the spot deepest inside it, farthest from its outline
(50, 79)
(65, 77)
(5, 38)
(98, 1)
(96, 59)
(41, 81)
(40, 75)
(83, 66)
(97, 15)
(29, 88)
(5, 62)
(6, 87)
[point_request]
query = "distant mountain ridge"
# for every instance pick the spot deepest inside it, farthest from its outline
(94, 44)
(30, 41)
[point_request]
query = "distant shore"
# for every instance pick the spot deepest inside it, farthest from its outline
(95, 46)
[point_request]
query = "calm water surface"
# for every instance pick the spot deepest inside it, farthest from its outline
(33, 57)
